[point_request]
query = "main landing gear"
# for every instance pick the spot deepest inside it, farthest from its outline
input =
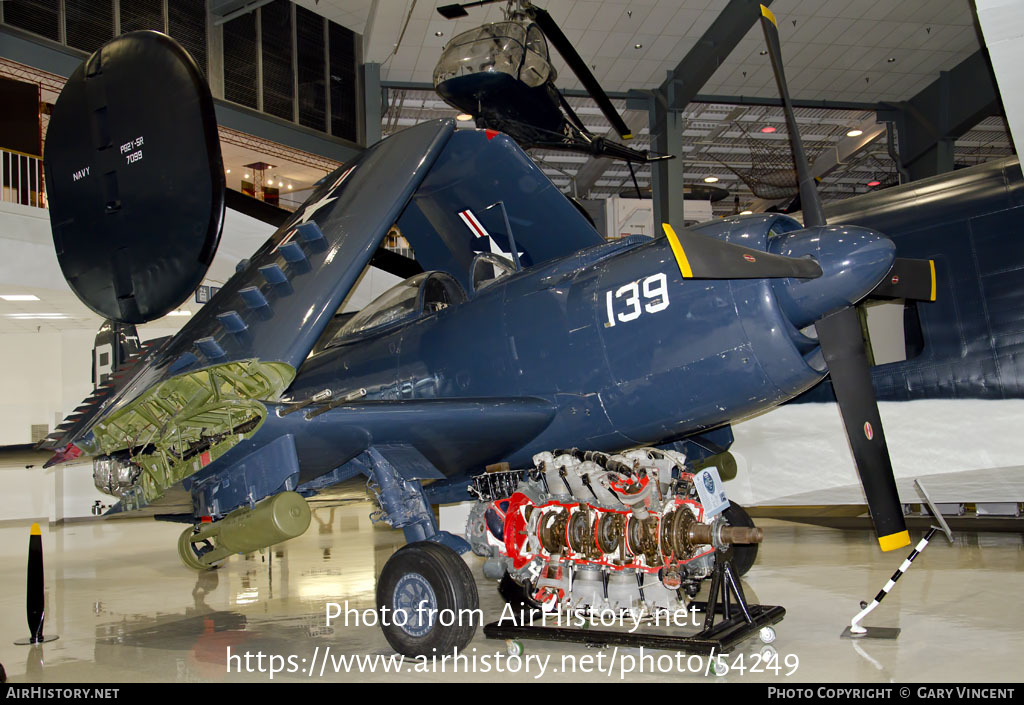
(427, 599)
(426, 594)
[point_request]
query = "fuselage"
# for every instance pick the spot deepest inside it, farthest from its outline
(626, 350)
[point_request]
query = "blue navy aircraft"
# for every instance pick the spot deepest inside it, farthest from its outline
(567, 387)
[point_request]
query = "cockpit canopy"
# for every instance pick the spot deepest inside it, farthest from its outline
(413, 298)
(516, 49)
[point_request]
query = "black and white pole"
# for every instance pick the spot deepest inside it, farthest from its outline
(855, 629)
(35, 596)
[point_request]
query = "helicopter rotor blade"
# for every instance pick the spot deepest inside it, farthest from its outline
(579, 67)
(453, 12)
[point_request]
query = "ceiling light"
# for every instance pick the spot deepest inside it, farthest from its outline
(764, 52)
(246, 176)
(229, 171)
(638, 46)
(19, 297)
(180, 312)
(710, 179)
(855, 133)
(874, 183)
(891, 60)
(289, 187)
(438, 33)
(464, 117)
(36, 316)
(768, 130)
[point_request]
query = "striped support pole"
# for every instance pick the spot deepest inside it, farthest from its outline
(855, 627)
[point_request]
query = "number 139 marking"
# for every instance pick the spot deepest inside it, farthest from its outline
(655, 291)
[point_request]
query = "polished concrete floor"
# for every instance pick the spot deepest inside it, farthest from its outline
(125, 609)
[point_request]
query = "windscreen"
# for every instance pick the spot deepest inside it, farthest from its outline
(396, 304)
(497, 47)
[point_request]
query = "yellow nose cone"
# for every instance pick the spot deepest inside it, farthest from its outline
(36, 531)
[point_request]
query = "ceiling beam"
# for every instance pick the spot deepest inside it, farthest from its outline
(929, 123)
(698, 98)
(734, 22)
(679, 88)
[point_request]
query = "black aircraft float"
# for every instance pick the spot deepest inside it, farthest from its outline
(568, 387)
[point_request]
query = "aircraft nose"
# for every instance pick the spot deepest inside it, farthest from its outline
(853, 261)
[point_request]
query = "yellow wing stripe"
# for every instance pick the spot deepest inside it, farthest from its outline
(677, 250)
(628, 137)
(931, 262)
(768, 13)
(894, 541)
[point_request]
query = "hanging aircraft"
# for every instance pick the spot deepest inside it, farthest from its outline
(501, 74)
(572, 385)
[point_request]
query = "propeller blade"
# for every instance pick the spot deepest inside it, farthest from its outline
(908, 279)
(843, 346)
(579, 67)
(811, 203)
(703, 257)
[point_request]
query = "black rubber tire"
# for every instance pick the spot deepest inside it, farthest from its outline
(517, 596)
(743, 554)
(454, 588)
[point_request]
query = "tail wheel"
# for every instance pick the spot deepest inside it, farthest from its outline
(427, 598)
(743, 554)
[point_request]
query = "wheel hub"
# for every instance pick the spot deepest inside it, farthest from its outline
(414, 604)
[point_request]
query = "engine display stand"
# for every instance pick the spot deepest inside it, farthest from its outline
(740, 621)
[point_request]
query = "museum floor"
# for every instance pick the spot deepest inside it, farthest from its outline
(126, 609)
